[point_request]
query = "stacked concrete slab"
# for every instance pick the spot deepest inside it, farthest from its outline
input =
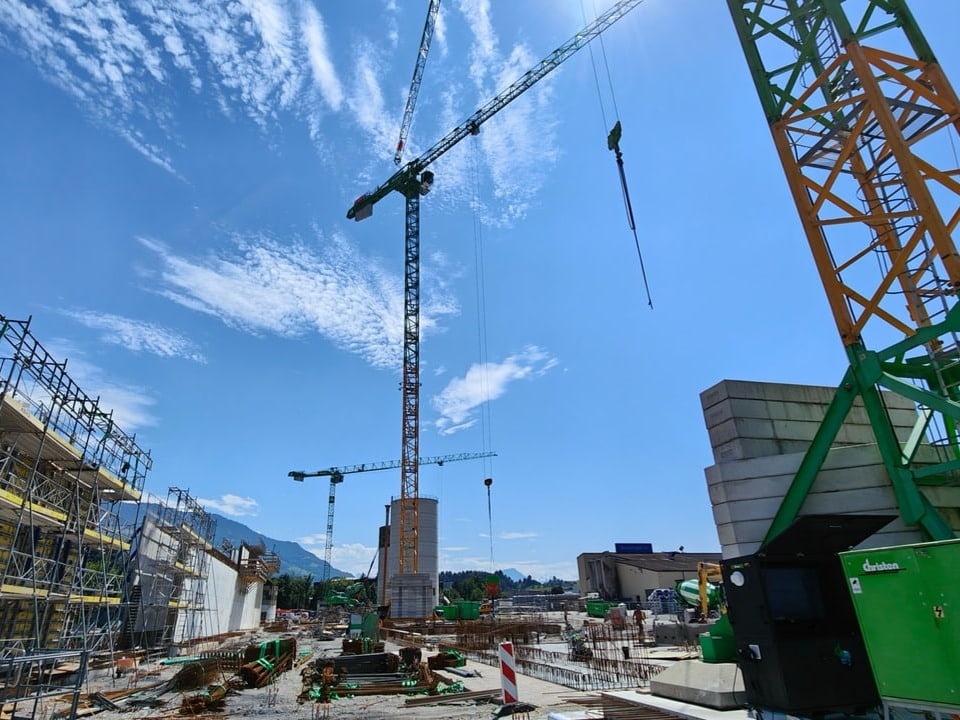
(760, 432)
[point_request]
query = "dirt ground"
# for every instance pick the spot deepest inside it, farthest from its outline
(280, 698)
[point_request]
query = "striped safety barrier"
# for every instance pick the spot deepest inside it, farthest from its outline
(508, 673)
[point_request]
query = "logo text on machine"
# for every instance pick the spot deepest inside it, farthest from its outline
(880, 567)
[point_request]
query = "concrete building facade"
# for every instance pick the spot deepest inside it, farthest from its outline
(186, 589)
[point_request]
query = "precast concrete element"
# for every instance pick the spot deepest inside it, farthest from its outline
(760, 433)
(748, 419)
(715, 685)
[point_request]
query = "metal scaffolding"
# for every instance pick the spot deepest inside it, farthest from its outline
(65, 469)
(171, 558)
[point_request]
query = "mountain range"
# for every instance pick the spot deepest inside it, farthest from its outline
(294, 559)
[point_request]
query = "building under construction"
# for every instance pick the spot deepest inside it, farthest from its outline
(65, 469)
(184, 589)
(76, 573)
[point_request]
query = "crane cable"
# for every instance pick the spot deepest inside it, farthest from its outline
(613, 143)
(480, 289)
(485, 420)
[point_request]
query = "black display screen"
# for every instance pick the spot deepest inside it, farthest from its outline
(793, 594)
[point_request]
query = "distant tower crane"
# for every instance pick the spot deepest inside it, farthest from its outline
(336, 477)
(417, 76)
(412, 181)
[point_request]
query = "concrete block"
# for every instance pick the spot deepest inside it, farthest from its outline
(750, 428)
(760, 433)
(839, 458)
(799, 432)
(776, 486)
(743, 448)
(714, 685)
(669, 631)
(747, 390)
(735, 407)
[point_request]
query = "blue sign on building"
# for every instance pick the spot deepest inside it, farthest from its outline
(633, 548)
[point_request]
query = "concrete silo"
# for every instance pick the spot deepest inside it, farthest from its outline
(412, 595)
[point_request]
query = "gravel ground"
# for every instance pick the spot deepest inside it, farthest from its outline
(280, 698)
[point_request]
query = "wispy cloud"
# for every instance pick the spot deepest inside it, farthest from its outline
(366, 100)
(485, 382)
(353, 558)
(517, 535)
(139, 336)
(516, 148)
(321, 66)
(130, 405)
(131, 65)
(289, 290)
(231, 505)
(120, 60)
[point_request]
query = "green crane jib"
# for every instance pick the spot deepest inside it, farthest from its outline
(336, 477)
(417, 77)
(412, 181)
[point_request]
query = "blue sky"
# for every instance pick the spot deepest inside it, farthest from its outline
(173, 188)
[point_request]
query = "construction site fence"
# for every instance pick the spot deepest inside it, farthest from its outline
(29, 678)
(555, 667)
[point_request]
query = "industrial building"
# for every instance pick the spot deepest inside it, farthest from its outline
(632, 576)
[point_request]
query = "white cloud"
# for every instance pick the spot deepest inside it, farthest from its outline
(366, 100)
(139, 336)
(483, 383)
(120, 60)
(353, 558)
(321, 66)
(290, 290)
(231, 505)
(517, 535)
(125, 62)
(129, 405)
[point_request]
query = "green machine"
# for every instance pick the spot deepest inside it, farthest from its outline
(907, 600)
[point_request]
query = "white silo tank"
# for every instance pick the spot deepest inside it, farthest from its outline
(416, 594)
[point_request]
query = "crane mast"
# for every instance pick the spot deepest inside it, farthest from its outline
(336, 477)
(418, 67)
(864, 135)
(412, 181)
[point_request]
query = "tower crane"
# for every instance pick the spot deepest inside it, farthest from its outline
(864, 135)
(412, 181)
(336, 477)
(418, 67)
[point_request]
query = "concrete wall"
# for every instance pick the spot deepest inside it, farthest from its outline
(759, 433)
(229, 604)
(268, 608)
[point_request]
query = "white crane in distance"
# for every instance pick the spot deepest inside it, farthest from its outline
(336, 477)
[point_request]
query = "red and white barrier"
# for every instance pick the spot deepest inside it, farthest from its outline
(508, 673)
